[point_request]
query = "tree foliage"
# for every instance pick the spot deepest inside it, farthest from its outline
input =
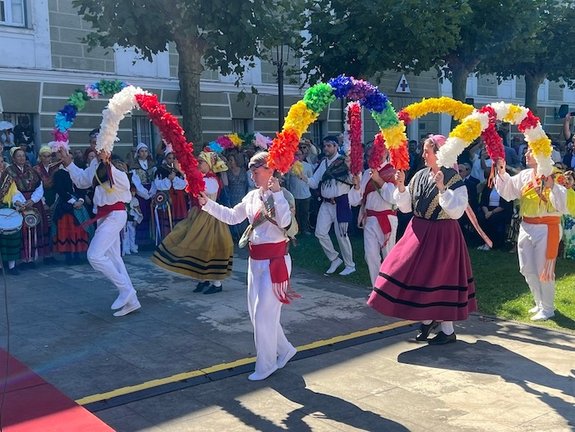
(454, 36)
(547, 51)
(224, 35)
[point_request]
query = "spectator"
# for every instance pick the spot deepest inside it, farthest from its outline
(494, 217)
(569, 157)
(301, 192)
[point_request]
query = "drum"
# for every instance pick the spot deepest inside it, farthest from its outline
(31, 217)
(10, 221)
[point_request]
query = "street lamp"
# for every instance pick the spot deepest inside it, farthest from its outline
(279, 62)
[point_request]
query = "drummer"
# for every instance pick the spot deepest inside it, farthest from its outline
(10, 222)
(35, 237)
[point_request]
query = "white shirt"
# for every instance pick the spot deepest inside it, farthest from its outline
(328, 189)
(378, 200)
(120, 192)
(267, 232)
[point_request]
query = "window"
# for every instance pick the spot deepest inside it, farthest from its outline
(317, 132)
(242, 126)
(142, 132)
(13, 12)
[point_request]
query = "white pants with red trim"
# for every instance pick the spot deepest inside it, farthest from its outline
(374, 245)
(531, 249)
(265, 311)
(104, 253)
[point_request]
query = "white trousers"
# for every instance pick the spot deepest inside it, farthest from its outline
(104, 253)
(265, 312)
(374, 245)
(325, 218)
(129, 240)
(531, 249)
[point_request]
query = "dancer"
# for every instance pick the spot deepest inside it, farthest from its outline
(112, 192)
(333, 179)
(542, 201)
(200, 246)
(427, 276)
(269, 268)
(374, 191)
(10, 239)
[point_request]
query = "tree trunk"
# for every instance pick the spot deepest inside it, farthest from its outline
(459, 81)
(189, 72)
(532, 82)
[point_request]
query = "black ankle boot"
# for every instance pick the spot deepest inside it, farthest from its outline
(424, 330)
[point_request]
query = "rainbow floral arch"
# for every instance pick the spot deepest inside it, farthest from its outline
(65, 117)
(458, 110)
(479, 120)
(317, 98)
(131, 97)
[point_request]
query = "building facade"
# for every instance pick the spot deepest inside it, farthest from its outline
(42, 61)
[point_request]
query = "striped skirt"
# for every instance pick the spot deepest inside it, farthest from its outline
(427, 275)
(200, 246)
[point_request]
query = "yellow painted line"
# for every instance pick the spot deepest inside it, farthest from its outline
(224, 366)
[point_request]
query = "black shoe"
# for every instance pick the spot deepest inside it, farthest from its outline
(213, 289)
(13, 271)
(424, 330)
(201, 286)
(51, 261)
(32, 265)
(442, 339)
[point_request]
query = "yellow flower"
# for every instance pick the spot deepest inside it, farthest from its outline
(299, 118)
(541, 146)
(456, 109)
(235, 138)
(297, 168)
(467, 131)
(514, 111)
(394, 136)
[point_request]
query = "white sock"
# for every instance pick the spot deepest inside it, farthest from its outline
(217, 283)
(11, 264)
(426, 322)
(447, 327)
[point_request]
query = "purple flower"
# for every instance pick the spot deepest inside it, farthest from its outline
(341, 85)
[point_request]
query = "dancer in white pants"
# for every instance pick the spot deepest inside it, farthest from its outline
(542, 202)
(112, 192)
(334, 180)
(377, 217)
(269, 264)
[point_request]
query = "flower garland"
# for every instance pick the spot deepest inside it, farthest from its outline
(377, 152)
(479, 120)
(76, 102)
(353, 133)
(458, 110)
(131, 97)
(317, 98)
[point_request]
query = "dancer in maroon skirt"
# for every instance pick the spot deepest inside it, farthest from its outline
(427, 276)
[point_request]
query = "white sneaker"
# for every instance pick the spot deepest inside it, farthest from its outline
(258, 377)
(282, 361)
(130, 307)
(534, 309)
(123, 299)
(542, 316)
(347, 271)
(484, 248)
(126, 252)
(334, 265)
(135, 250)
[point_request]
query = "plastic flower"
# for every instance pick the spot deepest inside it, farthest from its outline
(299, 118)
(318, 97)
(235, 139)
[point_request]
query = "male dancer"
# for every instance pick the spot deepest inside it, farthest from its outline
(379, 221)
(112, 192)
(334, 180)
(268, 212)
(541, 203)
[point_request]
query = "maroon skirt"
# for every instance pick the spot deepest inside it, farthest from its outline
(427, 275)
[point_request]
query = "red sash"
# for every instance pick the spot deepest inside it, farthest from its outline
(276, 252)
(383, 220)
(104, 211)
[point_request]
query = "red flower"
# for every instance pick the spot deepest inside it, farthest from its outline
(529, 122)
(282, 150)
(399, 157)
(173, 133)
(402, 115)
(377, 152)
(356, 150)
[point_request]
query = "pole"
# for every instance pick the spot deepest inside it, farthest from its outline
(280, 65)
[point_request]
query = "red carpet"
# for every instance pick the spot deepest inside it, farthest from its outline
(33, 405)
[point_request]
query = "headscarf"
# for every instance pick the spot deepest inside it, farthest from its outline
(14, 150)
(141, 146)
(215, 163)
